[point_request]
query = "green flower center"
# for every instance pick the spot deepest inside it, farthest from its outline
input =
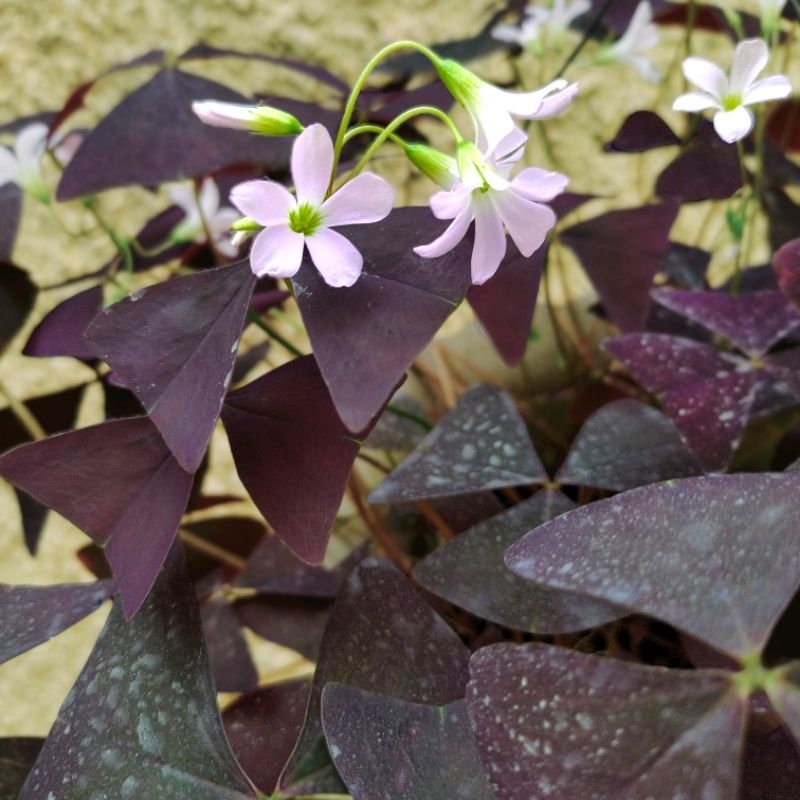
(731, 101)
(306, 219)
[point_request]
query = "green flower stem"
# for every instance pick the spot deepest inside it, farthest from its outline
(273, 334)
(388, 132)
(409, 415)
(403, 44)
(21, 412)
(587, 34)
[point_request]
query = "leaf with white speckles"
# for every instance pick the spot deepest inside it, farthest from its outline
(173, 345)
(715, 556)
(382, 637)
(395, 750)
(481, 444)
(552, 723)
(470, 572)
(142, 720)
(30, 615)
(626, 444)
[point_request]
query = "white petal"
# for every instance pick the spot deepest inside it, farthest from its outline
(337, 259)
(312, 161)
(705, 75)
(552, 106)
(448, 205)
(733, 125)
(539, 185)
(366, 198)
(267, 202)
(749, 58)
(209, 198)
(528, 104)
(454, 233)
(526, 221)
(9, 166)
(776, 87)
(223, 115)
(30, 144)
(694, 101)
(277, 252)
(490, 241)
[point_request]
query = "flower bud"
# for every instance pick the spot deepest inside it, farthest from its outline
(434, 164)
(264, 120)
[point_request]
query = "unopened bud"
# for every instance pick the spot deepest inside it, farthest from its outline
(264, 120)
(440, 168)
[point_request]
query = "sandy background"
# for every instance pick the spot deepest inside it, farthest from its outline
(48, 48)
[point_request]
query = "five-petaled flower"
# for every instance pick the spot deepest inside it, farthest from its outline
(203, 217)
(484, 194)
(543, 23)
(640, 35)
(23, 165)
(731, 95)
(293, 222)
(492, 109)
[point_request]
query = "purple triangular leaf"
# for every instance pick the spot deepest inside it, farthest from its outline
(17, 756)
(143, 140)
(505, 303)
(395, 750)
(753, 321)
(642, 131)
(17, 295)
(365, 336)
(784, 694)
(621, 251)
(30, 615)
(715, 556)
(284, 425)
(61, 331)
(480, 444)
(142, 719)
(708, 169)
(173, 345)
(134, 517)
(470, 572)
(262, 727)
(10, 214)
(552, 723)
(687, 266)
(33, 515)
(624, 445)
(228, 654)
(786, 263)
(382, 637)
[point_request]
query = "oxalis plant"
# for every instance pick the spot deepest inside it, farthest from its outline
(588, 592)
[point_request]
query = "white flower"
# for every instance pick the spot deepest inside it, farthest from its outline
(640, 36)
(492, 109)
(731, 95)
(543, 22)
(23, 165)
(266, 120)
(771, 16)
(205, 207)
(484, 194)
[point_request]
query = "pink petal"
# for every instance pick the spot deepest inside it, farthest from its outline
(538, 184)
(775, 87)
(277, 252)
(554, 105)
(529, 104)
(733, 125)
(366, 198)
(444, 243)
(335, 257)
(267, 202)
(448, 205)
(30, 144)
(527, 222)
(706, 75)
(312, 161)
(749, 58)
(694, 101)
(490, 240)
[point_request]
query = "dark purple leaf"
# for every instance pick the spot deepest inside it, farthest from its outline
(173, 345)
(33, 515)
(642, 131)
(364, 337)
(60, 333)
(118, 482)
(16, 759)
(470, 572)
(228, 654)
(708, 169)
(686, 266)
(142, 719)
(30, 615)
(624, 445)
(783, 124)
(784, 694)
(567, 202)
(237, 535)
(153, 137)
(550, 722)
(394, 750)
(753, 321)
(381, 637)
(10, 214)
(786, 263)
(54, 412)
(621, 251)
(262, 728)
(282, 426)
(17, 295)
(715, 556)
(384, 106)
(505, 303)
(480, 444)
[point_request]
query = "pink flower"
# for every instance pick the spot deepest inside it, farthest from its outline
(292, 223)
(484, 194)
